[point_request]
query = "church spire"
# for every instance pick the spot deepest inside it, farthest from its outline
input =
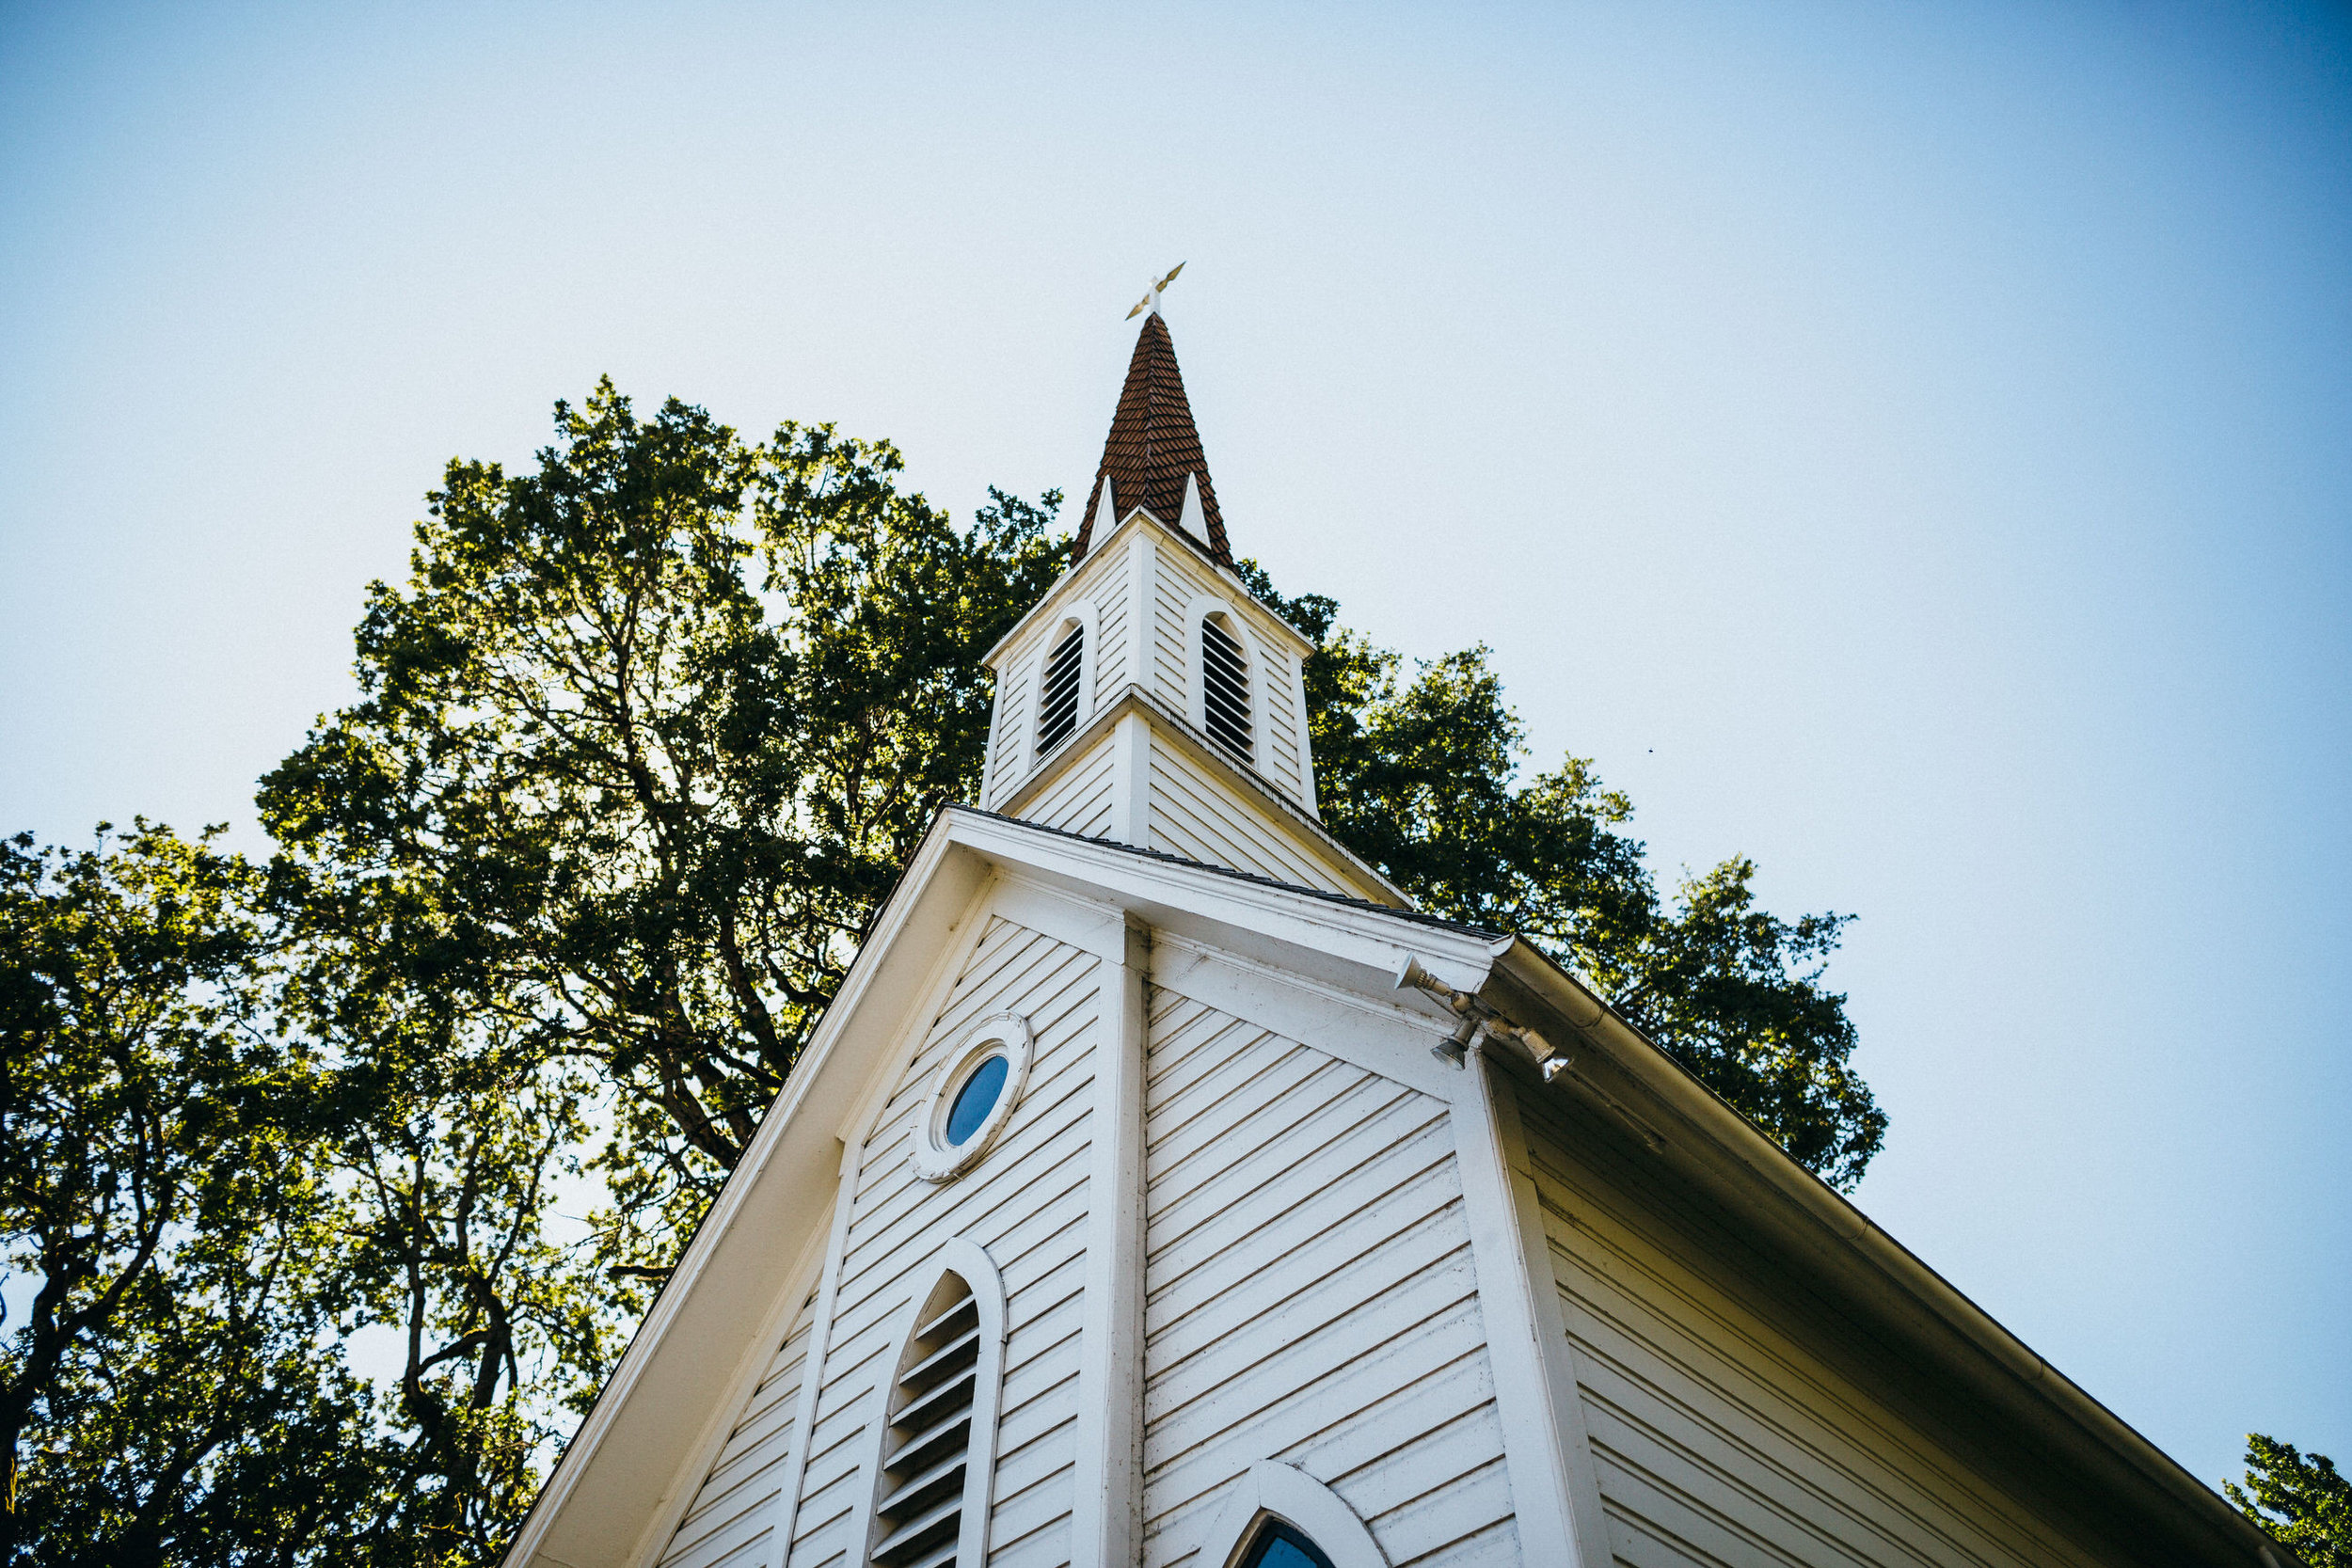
(1153, 458)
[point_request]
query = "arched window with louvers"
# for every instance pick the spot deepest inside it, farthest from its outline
(1225, 710)
(938, 1419)
(1065, 684)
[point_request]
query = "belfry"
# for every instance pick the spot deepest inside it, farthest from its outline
(1163, 1191)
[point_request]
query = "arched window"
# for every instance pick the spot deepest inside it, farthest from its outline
(1223, 685)
(1279, 1545)
(1058, 693)
(939, 1427)
(1278, 1516)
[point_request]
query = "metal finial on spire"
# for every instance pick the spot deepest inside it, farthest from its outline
(1152, 301)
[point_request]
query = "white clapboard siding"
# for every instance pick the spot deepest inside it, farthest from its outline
(1309, 1295)
(735, 1508)
(1026, 1201)
(1720, 1434)
(1201, 817)
(1110, 594)
(1009, 748)
(1172, 589)
(1079, 801)
(1278, 726)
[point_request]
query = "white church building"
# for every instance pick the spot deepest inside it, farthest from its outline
(1163, 1191)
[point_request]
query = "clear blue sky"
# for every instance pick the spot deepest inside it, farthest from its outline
(1910, 445)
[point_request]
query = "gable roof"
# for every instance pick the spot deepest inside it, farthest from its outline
(705, 1328)
(1153, 448)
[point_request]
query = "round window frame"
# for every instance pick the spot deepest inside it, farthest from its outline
(999, 1034)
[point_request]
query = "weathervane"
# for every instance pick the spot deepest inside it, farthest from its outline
(1152, 301)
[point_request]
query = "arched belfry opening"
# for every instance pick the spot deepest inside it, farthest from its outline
(1060, 688)
(1150, 697)
(1225, 684)
(937, 1450)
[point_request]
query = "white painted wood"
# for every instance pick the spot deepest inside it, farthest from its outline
(1310, 1297)
(1113, 603)
(1268, 1490)
(971, 1262)
(1003, 1034)
(1199, 816)
(1142, 590)
(1319, 1264)
(755, 1414)
(1563, 1405)
(1084, 798)
(1110, 1394)
(1538, 1466)
(1025, 1199)
(1718, 1423)
(1130, 785)
(1378, 1035)
(804, 1412)
(1280, 829)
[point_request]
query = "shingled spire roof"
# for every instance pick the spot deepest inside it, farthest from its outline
(1153, 448)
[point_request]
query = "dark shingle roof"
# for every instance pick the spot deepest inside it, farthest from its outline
(1153, 448)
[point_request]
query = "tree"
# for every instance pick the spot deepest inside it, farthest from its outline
(501, 1328)
(166, 1396)
(1422, 777)
(640, 745)
(2301, 1500)
(648, 733)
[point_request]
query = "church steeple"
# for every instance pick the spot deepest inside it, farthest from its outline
(1149, 699)
(1153, 458)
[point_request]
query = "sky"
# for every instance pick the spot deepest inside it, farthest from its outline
(1910, 446)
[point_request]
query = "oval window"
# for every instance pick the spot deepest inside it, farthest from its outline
(976, 1099)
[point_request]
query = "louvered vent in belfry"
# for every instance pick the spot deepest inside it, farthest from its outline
(1057, 707)
(1224, 687)
(920, 1513)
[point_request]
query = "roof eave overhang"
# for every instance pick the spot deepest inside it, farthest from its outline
(1632, 1082)
(1206, 753)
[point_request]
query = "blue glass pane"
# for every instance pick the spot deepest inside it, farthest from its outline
(976, 1099)
(1278, 1546)
(1281, 1552)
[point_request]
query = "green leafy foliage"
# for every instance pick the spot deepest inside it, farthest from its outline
(165, 1396)
(344, 1180)
(2303, 1500)
(640, 745)
(1422, 778)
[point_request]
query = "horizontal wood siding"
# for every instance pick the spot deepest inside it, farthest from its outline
(1025, 1202)
(1171, 638)
(1110, 597)
(1010, 748)
(1080, 799)
(1718, 1436)
(1201, 818)
(1309, 1296)
(1279, 746)
(734, 1510)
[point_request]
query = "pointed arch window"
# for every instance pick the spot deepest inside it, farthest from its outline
(939, 1427)
(1223, 685)
(1280, 1545)
(1059, 692)
(1278, 1516)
